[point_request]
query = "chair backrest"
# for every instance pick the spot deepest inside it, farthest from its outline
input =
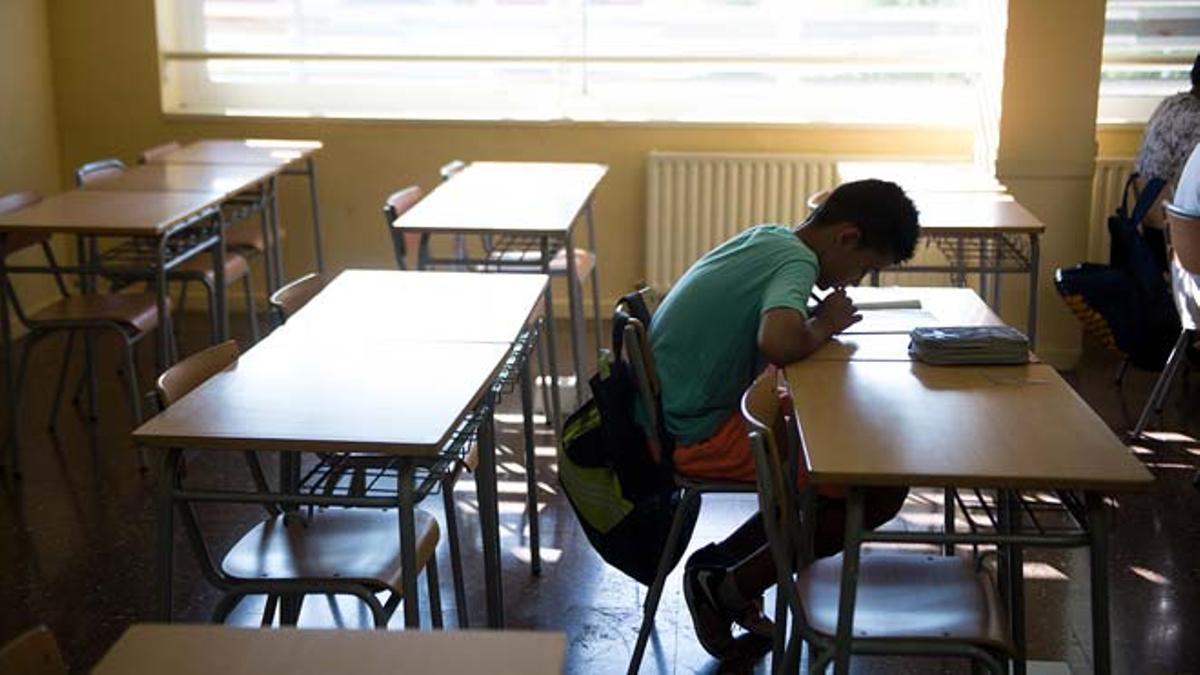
(17, 242)
(775, 445)
(158, 151)
(635, 345)
(288, 300)
(451, 169)
(98, 170)
(34, 652)
(395, 206)
(191, 372)
(816, 199)
(1185, 237)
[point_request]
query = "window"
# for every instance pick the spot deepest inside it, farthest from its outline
(1149, 47)
(887, 61)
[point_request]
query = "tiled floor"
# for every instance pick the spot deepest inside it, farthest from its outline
(76, 547)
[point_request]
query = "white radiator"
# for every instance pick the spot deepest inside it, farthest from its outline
(697, 200)
(1107, 183)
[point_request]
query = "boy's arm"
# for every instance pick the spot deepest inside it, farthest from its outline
(785, 335)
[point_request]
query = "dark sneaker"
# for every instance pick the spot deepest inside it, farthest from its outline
(711, 622)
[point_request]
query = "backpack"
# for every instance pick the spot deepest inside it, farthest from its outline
(624, 496)
(1127, 304)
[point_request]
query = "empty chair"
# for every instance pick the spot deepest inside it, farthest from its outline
(245, 237)
(358, 466)
(959, 613)
(34, 652)
(296, 294)
(394, 206)
(130, 316)
(1185, 240)
(347, 551)
(197, 268)
(98, 170)
(158, 152)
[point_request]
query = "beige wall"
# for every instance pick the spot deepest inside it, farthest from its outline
(106, 86)
(28, 143)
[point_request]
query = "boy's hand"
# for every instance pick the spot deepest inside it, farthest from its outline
(837, 311)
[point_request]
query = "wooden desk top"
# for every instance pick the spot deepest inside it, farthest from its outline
(227, 179)
(511, 197)
(864, 347)
(959, 213)
(319, 392)
(424, 306)
(109, 213)
(207, 650)
(939, 307)
(891, 423)
(923, 175)
(264, 151)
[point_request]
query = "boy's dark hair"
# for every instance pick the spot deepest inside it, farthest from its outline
(1196, 73)
(885, 217)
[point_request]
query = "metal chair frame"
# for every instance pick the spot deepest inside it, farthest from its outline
(285, 594)
(1176, 219)
(646, 377)
(38, 331)
(788, 524)
(122, 277)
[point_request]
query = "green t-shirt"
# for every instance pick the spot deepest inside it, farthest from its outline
(705, 333)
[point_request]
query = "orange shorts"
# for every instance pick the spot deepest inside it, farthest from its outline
(726, 456)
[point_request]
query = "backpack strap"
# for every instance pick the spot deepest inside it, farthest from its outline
(1145, 199)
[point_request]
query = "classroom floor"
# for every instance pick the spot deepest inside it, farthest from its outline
(76, 545)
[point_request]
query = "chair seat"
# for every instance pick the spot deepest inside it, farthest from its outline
(585, 260)
(908, 595)
(236, 267)
(357, 545)
(247, 236)
(138, 311)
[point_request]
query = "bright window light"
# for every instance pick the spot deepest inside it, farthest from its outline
(1149, 46)
(928, 62)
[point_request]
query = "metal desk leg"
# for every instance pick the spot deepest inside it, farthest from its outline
(948, 517)
(551, 346)
(318, 240)
(531, 486)
(408, 545)
(1034, 270)
(88, 251)
(166, 350)
(960, 272)
(168, 480)
(1098, 560)
(1009, 511)
(984, 277)
(587, 212)
(269, 248)
(575, 299)
(220, 292)
(489, 516)
(280, 279)
(423, 252)
(849, 588)
(12, 438)
(997, 276)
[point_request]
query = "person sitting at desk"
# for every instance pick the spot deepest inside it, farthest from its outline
(740, 307)
(1185, 286)
(1171, 133)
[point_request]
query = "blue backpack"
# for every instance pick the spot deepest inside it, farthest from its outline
(1127, 303)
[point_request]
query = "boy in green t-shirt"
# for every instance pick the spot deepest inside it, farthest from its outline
(743, 307)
